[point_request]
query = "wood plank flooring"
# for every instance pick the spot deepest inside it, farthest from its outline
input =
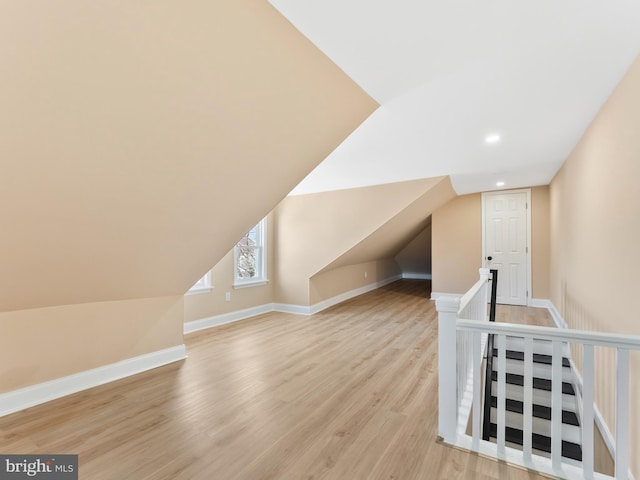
(349, 393)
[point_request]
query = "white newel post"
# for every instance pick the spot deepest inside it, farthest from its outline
(447, 402)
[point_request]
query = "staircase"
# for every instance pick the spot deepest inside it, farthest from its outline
(531, 390)
(514, 404)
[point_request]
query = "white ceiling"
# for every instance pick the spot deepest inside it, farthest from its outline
(449, 73)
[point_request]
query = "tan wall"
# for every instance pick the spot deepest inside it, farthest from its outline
(330, 284)
(203, 305)
(416, 257)
(456, 249)
(325, 231)
(43, 344)
(124, 130)
(540, 247)
(595, 232)
(139, 142)
(457, 243)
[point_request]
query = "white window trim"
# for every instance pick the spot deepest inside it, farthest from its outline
(201, 286)
(262, 279)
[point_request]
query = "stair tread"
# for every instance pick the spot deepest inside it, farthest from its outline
(537, 357)
(538, 442)
(538, 383)
(539, 411)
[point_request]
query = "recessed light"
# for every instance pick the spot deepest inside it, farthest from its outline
(495, 138)
(500, 184)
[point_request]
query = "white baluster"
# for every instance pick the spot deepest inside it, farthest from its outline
(527, 414)
(477, 362)
(587, 412)
(622, 413)
(556, 405)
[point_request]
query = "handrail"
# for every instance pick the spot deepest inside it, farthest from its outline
(486, 420)
(473, 291)
(462, 333)
(629, 342)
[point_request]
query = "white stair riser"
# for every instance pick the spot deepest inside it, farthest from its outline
(540, 370)
(570, 433)
(541, 347)
(540, 397)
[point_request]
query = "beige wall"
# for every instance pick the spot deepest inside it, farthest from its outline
(332, 283)
(325, 231)
(139, 143)
(540, 248)
(416, 257)
(456, 248)
(595, 232)
(123, 131)
(43, 344)
(457, 243)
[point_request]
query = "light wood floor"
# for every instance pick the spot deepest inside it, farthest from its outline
(349, 393)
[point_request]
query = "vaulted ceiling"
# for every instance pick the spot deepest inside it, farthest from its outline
(448, 74)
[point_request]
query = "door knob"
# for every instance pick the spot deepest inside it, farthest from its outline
(489, 258)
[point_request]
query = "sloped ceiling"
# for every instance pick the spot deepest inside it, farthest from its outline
(448, 74)
(319, 232)
(138, 141)
(391, 237)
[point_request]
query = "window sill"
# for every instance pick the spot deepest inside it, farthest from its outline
(199, 291)
(253, 283)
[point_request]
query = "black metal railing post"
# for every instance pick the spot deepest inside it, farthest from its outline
(486, 422)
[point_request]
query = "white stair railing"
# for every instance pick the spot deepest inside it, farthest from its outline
(460, 375)
(462, 331)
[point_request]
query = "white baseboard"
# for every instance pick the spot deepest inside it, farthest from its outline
(307, 310)
(540, 303)
(20, 399)
(555, 314)
(417, 276)
(290, 308)
(330, 302)
(216, 320)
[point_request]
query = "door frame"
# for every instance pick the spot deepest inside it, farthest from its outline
(484, 262)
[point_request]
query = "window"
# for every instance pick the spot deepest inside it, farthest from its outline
(202, 286)
(250, 257)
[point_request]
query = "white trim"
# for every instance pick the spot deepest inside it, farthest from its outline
(201, 286)
(529, 246)
(555, 314)
(224, 318)
(330, 302)
(198, 291)
(605, 432)
(629, 342)
(261, 248)
(251, 283)
(22, 398)
(436, 295)
(306, 310)
(417, 276)
(290, 308)
(540, 303)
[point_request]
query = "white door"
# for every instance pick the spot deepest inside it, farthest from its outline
(505, 243)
